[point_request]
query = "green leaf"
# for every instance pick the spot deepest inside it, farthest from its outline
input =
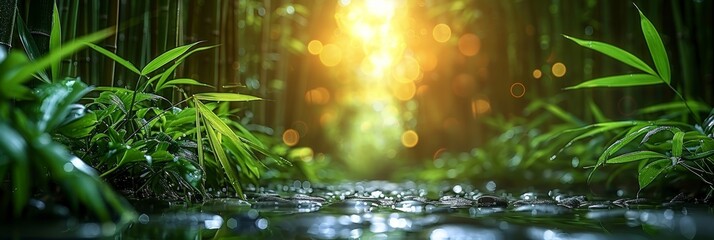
(166, 74)
(563, 115)
(614, 52)
(81, 127)
(33, 53)
(654, 43)
(651, 171)
(227, 97)
(39, 65)
(220, 154)
(55, 42)
(114, 57)
(677, 144)
(595, 110)
(619, 144)
(182, 81)
(696, 106)
(165, 58)
(636, 156)
(629, 80)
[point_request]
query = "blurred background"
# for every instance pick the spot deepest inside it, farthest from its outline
(377, 87)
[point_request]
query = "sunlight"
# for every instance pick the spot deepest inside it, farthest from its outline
(380, 72)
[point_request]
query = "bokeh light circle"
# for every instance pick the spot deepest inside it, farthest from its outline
(314, 47)
(331, 55)
(410, 138)
(441, 33)
(518, 90)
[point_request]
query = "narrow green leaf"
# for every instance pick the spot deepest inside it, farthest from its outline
(114, 57)
(599, 116)
(68, 49)
(677, 144)
(654, 43)
(651, 171)
(166, 74)
(619, 144)
(165, 58)
(696, 106)
(636, 156)
(182, 81)
(199, 138)
(563, 115)
(55, 42)
(220, 154)
(33, 53)
(614, 52)
(629, 80)
(227, 97)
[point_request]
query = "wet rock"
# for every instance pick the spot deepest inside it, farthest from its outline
(518, 203)
(624, 202)
(307, 197)
(491, 201)
(455, 202)
(600, 206)
(411, 206)
(542, 209)
(572, 202)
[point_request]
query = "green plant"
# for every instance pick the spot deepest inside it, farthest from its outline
(32, 164)
(687, 149)
(169, 152)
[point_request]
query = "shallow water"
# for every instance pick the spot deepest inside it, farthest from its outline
(383, 210)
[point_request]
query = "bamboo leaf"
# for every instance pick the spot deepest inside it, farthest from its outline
(220, 154)
(166, 74)
(651, 171)
(677, 144)
(619, 144)
(33, 53)
(654, 43)
(55, 42)
(28, 70)
(629, 80)
(165, 58)
(636, 156)
(226, 97)
(182, 81)
(114, 57)
(696, 106)
(614, 52)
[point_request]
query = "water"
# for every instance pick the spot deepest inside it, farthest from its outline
(384, 210)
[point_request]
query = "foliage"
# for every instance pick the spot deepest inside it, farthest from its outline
(152, 151)
(32, 165)
(663, 147)
(520, 146)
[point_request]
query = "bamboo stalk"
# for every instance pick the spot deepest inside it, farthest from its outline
(8, 11)
(39, 22)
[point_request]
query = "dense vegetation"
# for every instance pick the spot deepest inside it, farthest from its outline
(163, 100)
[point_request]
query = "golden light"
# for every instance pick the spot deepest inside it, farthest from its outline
(318, 96)
(441, 33)
(314, 47)
(291, 137)
(558, 69)
(469, 44)
(331, 55)
(427, 61)
(410, 138)
(404, 91)
(537, 74)
(407, 70)
(480, 106)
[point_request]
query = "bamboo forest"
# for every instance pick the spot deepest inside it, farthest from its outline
(356, 119)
